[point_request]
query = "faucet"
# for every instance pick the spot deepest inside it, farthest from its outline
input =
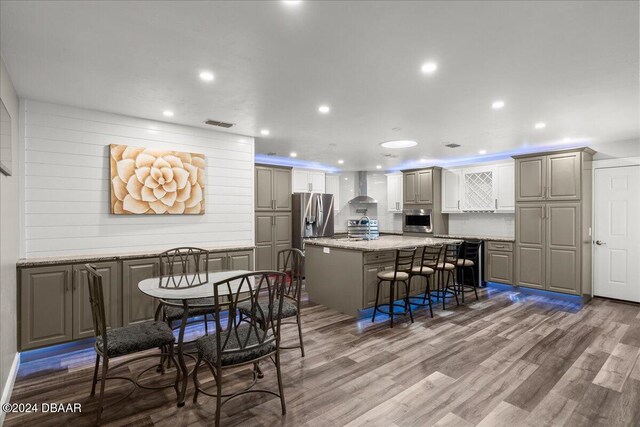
(368, 237)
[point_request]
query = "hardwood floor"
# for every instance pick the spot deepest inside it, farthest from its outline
(510, 359)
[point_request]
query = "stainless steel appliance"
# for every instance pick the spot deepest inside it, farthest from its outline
(417, 220)
(363, 228)
(312, 217)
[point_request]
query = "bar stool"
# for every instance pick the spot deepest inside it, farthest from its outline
(470, 258)
(426, 268)
(447, 265)
(402, 267)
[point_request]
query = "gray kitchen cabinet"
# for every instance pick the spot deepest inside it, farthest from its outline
(242, 260)
(217, 262)
(273, 234)
(137, 307)
(563, 247)
(46, 301)
(112, 292)
(425, 187)
(410, 188)
(499, 262)
(418, 187)
(530, 178)
(563, 176)
(370, 277)
(272, 188)
(530, 246)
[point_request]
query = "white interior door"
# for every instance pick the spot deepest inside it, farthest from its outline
(617, 233)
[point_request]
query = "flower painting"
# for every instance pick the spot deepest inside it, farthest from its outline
(156, 182)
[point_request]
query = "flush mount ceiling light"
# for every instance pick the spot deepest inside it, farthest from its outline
(399, 143)
(340, 162)
(206, 76)
(540, 125)
(167, 113)
(497, 105)
(265, 132)
(429, 67)
(324, 109)
(293, 154)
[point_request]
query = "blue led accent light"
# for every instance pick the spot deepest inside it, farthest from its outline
(291, 162)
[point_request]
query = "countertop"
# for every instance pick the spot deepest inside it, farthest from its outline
(78, 259)
(383, 243)
(469, 237)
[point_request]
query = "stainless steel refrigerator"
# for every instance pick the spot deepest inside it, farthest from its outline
(312, 217)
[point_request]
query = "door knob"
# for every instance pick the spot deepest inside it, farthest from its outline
(600, 242)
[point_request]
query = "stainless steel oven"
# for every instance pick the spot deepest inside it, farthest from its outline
(417, 220)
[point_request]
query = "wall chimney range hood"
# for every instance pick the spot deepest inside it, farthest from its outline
(362, 198)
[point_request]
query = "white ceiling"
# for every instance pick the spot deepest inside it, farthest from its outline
(573, 65)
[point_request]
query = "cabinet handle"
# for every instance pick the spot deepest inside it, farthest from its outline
(66, 281)
(458, 204)
(496, 204)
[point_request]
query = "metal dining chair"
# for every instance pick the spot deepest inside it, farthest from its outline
(124, 341)
(400, 274)
(446, 267)
(468, 260)
(291, 263)
(237, 343)
(426, 268)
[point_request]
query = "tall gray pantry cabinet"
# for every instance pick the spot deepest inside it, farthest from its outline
(553, 221)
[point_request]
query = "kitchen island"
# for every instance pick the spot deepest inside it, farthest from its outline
(342, 273)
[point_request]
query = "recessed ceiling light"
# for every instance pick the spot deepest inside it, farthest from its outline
(540, 125)
(206, 76)
(497, 105)
(482, 152)
(423, 160)
(399, 143)
(340, 161)
(293, 154)
(324, 109)
(566, 139)
(291, 2)
(167, 113)
(429, 67)
(378, 166)
(265, 132)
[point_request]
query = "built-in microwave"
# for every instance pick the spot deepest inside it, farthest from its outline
(417, 220)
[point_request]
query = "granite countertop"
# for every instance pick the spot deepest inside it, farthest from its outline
(471, 237)
(383, 243)
(76, 259)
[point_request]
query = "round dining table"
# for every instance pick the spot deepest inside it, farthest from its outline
(163, 288)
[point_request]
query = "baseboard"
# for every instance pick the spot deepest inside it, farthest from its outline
(8, 387)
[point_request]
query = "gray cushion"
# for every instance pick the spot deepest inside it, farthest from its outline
(389, 275)
(207, 346)
(289, 309)
(137, 337)
(197, 307)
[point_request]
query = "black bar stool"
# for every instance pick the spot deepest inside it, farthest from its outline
(469, 259)
(426, 268)
(400, 273)
(446, 266)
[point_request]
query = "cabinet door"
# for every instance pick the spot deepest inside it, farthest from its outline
(45, 306)
(505, 188)
(530, 245)
(112, 292)
(137, 306)
(425, 186)
(531, 178)
(499, 267)
(563, 176)
(410, 188)
(301, 182)
(282, 189)
(451, 190)
(241, 260)
(264, 188)
(282, 234)
(317, 181)
(563, 247)
(217, 262)
(264, 241)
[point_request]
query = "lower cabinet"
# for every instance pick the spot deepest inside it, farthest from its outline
(499, 262)
(54, 302)
(273, 234)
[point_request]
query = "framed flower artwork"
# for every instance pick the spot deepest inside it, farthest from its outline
(147, 181)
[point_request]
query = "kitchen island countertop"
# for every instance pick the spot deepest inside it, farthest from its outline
(383, 243)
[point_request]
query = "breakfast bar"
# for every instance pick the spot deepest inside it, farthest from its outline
(342, 273)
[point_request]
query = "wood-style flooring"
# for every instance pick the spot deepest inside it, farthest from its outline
(509, 359)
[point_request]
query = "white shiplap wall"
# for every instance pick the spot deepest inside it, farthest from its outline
(66, 184)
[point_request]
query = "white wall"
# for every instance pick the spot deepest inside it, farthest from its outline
(376, 188)
(66, 185)
(9, 241)
(617, 149)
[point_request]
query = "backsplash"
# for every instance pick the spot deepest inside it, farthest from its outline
(483, 224)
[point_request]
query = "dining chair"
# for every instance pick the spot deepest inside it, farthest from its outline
(426, 268)
(291, 263)
(400, 274)
(238, 343)
(127, 340)
(185, 267)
